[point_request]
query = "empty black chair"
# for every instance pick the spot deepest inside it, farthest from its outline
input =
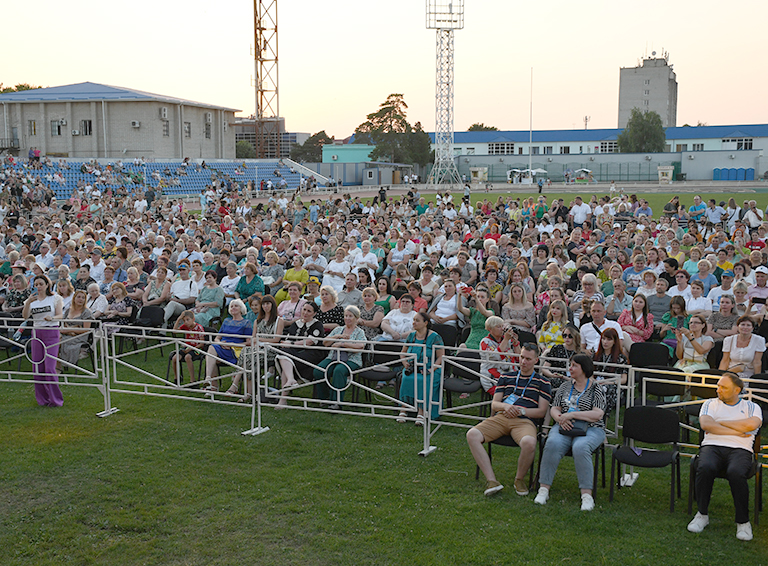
(657, 389)
(385, 367)
(715, 355)
(648, 354)
(652, 425)
(526, 337)
(448, 332)
(461, 376)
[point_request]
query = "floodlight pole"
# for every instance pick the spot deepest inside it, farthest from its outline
(445, 16)
(267, 123)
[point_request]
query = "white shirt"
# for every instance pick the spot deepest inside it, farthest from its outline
(402, 323)
(720, 411)
(675, 292)
(590, 338)
(580, 212)
(715, 293)
(702, 303)
(184, 289)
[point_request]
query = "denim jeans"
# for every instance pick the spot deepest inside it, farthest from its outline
(558, 445)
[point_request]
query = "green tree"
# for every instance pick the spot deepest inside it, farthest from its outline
(480, 127)
(244, 150)
(386, 129)
(644, 133)
(311, 151)
(418, 146)
(18, 88)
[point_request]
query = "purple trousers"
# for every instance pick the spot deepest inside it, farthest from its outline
(47, 394)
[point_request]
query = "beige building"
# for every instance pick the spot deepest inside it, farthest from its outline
(92, 120)
(652, 85)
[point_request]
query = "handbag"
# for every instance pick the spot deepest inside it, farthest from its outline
(579, 429)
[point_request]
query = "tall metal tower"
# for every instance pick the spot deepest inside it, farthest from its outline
(444, 16)
(267, 95)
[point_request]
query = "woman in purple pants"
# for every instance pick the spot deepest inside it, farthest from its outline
(44, 308)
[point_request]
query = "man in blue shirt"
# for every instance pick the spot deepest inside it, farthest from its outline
(714, 213)
(697, 210)
(644, 209)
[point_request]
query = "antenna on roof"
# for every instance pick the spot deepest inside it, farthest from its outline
(586, 120)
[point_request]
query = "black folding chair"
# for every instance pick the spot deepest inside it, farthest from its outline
(652, 425)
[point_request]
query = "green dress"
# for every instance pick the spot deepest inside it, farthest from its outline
(384, 303)
(478, 332)
(412, 383)
(248, 289)
(209, 295)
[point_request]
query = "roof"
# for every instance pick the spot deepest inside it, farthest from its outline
(87, 92)
(541, 136)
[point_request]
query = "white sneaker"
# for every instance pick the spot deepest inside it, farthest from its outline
(698, 523)
(587, 502)
(542, 496)
(744, 531)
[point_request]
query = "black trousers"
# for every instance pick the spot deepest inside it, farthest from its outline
(737, 463)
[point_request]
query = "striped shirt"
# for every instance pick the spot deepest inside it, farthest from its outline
(528, 389)
(592, 398)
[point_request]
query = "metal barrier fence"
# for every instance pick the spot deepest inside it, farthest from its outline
(27, 355)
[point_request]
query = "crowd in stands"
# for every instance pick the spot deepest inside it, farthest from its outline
(583, 280)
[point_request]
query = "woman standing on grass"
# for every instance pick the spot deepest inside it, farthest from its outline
(44, 308)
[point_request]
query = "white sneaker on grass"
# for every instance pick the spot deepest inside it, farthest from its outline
(744, 531)
(698, 523)
(542, 496)
(587, 502)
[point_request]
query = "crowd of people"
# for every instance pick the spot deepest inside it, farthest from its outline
(565, 287)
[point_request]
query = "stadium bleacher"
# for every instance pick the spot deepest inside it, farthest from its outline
(131, 176)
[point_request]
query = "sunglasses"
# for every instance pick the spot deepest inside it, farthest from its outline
(567, 335)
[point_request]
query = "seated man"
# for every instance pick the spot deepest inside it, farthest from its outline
(398, 323)
(591, 331)
(729, 426)
(518, 399)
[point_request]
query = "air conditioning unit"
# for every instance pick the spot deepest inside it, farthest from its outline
(75, 132)
(135, 124)
(334, 157)
(164, 113)
(62, 122)
(208, 117)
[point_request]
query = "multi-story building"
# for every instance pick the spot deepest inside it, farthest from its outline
(93, 120)
(651, 86)
(245, 130)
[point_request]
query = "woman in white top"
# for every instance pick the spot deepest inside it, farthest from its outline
(96, 303)
(693, 345)
(336, 271)
(444, 309)
(366, 260)
(743, 352)
(44, 308)
(229, 282)
(697, 303)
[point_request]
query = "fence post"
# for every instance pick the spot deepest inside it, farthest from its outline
(101, 343)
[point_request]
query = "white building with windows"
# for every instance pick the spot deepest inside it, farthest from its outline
(87, 120)
(651, 86)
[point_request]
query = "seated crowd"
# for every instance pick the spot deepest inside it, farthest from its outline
(575, 284)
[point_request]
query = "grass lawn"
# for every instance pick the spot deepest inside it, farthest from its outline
(166, 481)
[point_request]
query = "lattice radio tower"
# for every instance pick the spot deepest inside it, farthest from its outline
(267, 94)
(445, 16)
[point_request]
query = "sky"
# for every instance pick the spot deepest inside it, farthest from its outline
(340, 59)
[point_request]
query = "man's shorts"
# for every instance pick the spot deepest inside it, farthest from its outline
(182, 353)
(500, 425)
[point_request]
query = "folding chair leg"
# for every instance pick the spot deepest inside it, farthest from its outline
(672, 488)
(613, 468)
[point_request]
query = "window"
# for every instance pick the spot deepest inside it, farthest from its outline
(609, 147)
(370, 174)
(187, 129)
(86, 127)
(535, 150)
(565, 149)
(740, 143)
(501, 148)
(646, 92)
(31, 128)
(207, 131)
(698, 147)
(166, 128)
(682, 147)
(470, 151)
(647, 81)
(519, 150)
(55, 128)
(548, 150)
(645, 103)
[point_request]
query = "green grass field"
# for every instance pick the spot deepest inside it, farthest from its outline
(168, 481)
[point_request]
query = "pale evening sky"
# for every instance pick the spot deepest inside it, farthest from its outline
(339, 59)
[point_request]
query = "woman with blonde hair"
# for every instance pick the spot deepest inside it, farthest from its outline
(551, 332)
(518, 311)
